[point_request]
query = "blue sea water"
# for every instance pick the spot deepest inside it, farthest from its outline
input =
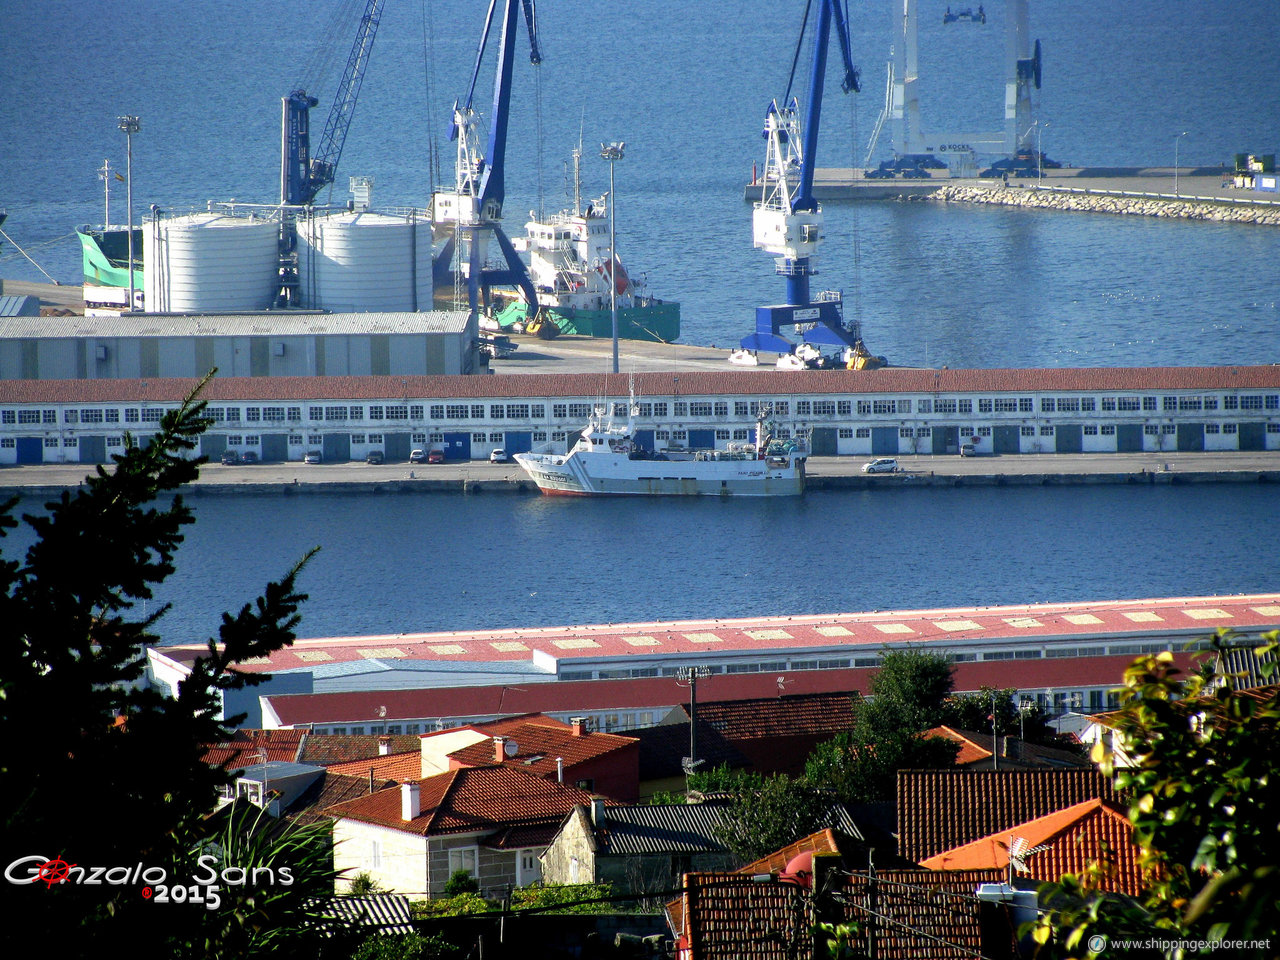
(686, 86)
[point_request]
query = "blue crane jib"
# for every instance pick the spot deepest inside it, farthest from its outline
(305, 173)
(787, 220)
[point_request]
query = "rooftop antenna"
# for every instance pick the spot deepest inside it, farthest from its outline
(691, 675)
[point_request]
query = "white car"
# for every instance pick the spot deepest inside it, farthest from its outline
(499, 456)
(881, 465)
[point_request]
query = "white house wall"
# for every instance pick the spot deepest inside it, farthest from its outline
(395, 859)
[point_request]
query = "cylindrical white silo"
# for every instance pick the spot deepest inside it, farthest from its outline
(210, 263)
(362, 262)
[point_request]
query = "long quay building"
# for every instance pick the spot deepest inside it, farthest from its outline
(625, 676)
(883, 412)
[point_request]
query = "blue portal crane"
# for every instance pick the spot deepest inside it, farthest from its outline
(303, 174)
(787, 220)
(472, 211)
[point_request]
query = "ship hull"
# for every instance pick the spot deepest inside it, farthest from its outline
(603, 475)
(657, 321)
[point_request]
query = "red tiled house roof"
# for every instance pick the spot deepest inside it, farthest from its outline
(1075, 836)
(247, 747)
(471, 799)
(920, 914)
(609, 761)
(323, 749)
(942, 809)
(777, 733)
(330, 789)
(400, 767)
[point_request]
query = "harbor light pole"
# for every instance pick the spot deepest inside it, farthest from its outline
(1039, 152)
(1176, 141)
(130, 126)
(613, 152)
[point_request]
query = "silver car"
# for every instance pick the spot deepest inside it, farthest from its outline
(881, 465)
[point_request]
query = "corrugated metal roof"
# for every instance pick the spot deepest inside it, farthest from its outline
(282, 324)
(663, 828)
(385, 912)
(24, 306)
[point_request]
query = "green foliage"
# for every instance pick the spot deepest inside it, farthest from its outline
(565, 897)
(667, 798)
(1204, 786)
(95, 769)
(835, 941)
(909, 696)
(362, 884)
(460, 881)
(410, 946)
(720, 779)
(973, 711)
(767, 813)
(456, 906)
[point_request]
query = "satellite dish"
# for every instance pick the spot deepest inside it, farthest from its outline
(511, 748)
(382, 711)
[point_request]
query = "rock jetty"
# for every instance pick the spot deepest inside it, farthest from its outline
(1051, 198)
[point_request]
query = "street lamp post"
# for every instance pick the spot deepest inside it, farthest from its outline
(613, 152)
(1176, 141)
(130, 126)
(1039, 152)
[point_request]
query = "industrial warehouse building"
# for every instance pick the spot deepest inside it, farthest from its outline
(845, 412)
(277, 344)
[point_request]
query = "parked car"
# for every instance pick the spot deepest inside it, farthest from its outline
(229, 458)
(435, 456)
(313, 456)
(881, 465)
(499, 456)
(968, 450)
(249, 456)
(375, 457)
(418, 456)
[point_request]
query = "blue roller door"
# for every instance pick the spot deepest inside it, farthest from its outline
(1190, 436)
(457, 446)
(1068, 438)
(702, 439)
(31, 449)
(1253, 436)
(1129, 438)
(1006, 439)
(644, 439)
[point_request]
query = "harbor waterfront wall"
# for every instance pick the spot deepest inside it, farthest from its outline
(1088, 200)
(294, 488)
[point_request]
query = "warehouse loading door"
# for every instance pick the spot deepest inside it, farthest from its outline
(1129, 437)
(275, 447)
(884, 441)
(1191, 436)
(1069, 438)
(337, 447)
(824, 442)
(946, 440)
(518, 441)
(396, 446)
(1006, 440)
(30, 449)
(93, 449)
(1253, 436)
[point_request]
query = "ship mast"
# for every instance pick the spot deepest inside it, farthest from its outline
(105, 175)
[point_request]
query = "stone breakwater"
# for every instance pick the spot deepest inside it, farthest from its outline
(1094, 202)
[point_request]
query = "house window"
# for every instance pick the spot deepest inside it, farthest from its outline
(462, 858)
(586, 784)
(375, 854)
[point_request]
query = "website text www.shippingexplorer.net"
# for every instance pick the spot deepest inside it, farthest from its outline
(1099, 944)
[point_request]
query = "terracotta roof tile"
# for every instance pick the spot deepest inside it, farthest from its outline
(1075, 837)
(467, 800)
(400, 767)
(692, 383)
(942, 809)
(539, 744)
(250, 746)
(779, 716)
(323, 749)
(329, 789)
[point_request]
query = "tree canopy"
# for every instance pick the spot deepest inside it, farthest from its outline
(98, 770)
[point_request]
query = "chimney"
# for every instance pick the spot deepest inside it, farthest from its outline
(559, 769)
(498, 744)
(579, 724)
(384, 746)
(597, 812)
(410, 801)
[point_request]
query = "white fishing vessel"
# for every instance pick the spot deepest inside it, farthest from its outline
(607, 461)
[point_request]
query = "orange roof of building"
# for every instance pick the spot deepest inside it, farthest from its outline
(400, 767)
(1073, 838)
(538, 745)
(468, 800)
(248, 746)
(942, 809)
(977, 747)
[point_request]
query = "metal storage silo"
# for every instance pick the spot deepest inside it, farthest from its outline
(210, 263)
(364, 262)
